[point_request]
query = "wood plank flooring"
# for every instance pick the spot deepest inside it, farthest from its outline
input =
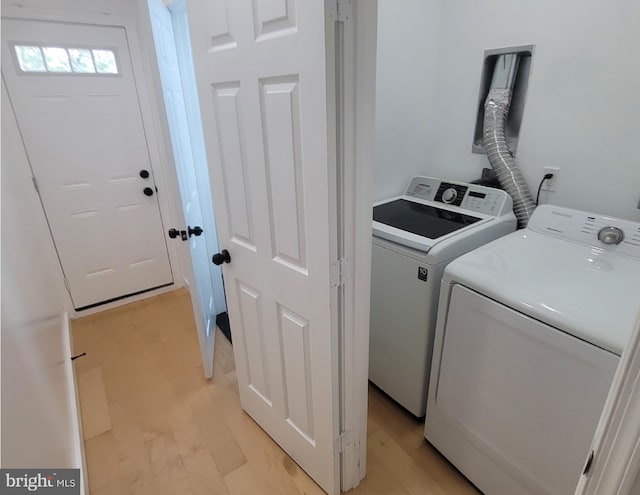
(154, 425)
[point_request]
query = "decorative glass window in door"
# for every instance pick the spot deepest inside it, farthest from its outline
(57, 60)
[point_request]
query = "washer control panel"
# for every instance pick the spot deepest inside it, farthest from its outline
(485, 201)
(470, 197)
(451, 194)
(600, 231)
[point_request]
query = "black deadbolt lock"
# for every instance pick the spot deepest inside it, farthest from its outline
(144, 174)
(221, 257)
(174, 233)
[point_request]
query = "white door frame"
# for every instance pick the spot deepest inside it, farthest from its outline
(616, 444)
(134, 18)
(352, 33)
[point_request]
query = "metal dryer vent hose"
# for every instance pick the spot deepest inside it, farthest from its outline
(496, 109)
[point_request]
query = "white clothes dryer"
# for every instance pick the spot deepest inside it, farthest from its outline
(414, 237)
(529, 333)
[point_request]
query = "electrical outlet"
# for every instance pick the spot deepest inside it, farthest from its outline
(550, 184)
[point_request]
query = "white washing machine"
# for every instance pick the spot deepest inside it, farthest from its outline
(414, 237)
(530, 330)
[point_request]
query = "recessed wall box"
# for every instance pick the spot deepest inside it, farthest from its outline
(514, 119)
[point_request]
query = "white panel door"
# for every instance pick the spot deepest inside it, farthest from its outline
(197, 269)
(74, 95)
(261, 77)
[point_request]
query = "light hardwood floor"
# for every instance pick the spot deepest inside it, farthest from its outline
(154, 425)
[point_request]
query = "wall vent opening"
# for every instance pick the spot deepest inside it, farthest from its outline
(514, 119)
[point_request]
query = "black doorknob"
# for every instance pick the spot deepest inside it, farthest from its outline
(195, 230)
(221, 257)
(148, 191)
(144, 174)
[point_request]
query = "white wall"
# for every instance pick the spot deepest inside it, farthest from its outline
(582, 112)
(39, 427)
(405, 89)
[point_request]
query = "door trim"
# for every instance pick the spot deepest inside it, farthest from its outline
(616, 444)
(134, 19)
(354, 43)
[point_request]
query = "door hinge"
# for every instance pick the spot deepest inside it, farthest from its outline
(66, 284)
(344, 10)
(342, 442)
(341, 272)
(35, 183)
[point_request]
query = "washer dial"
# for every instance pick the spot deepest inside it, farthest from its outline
(449, 195)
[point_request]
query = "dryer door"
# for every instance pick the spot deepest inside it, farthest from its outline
(525, 394)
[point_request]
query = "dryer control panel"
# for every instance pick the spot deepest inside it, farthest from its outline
(470, 197)
(600, 231)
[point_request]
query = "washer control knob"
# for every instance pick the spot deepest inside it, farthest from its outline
(449, 195)
(611, 235)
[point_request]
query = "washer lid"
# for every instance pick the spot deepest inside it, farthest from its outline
(421, 219)
(588, 292)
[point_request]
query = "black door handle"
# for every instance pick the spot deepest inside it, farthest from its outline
(195, 230)
(144, 174)
(148, 191)
(221, 257)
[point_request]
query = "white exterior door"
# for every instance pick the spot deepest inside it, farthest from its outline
(198, 270)
(74, 95)
(261, 75)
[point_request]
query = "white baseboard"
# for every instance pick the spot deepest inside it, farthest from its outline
(80, 459)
